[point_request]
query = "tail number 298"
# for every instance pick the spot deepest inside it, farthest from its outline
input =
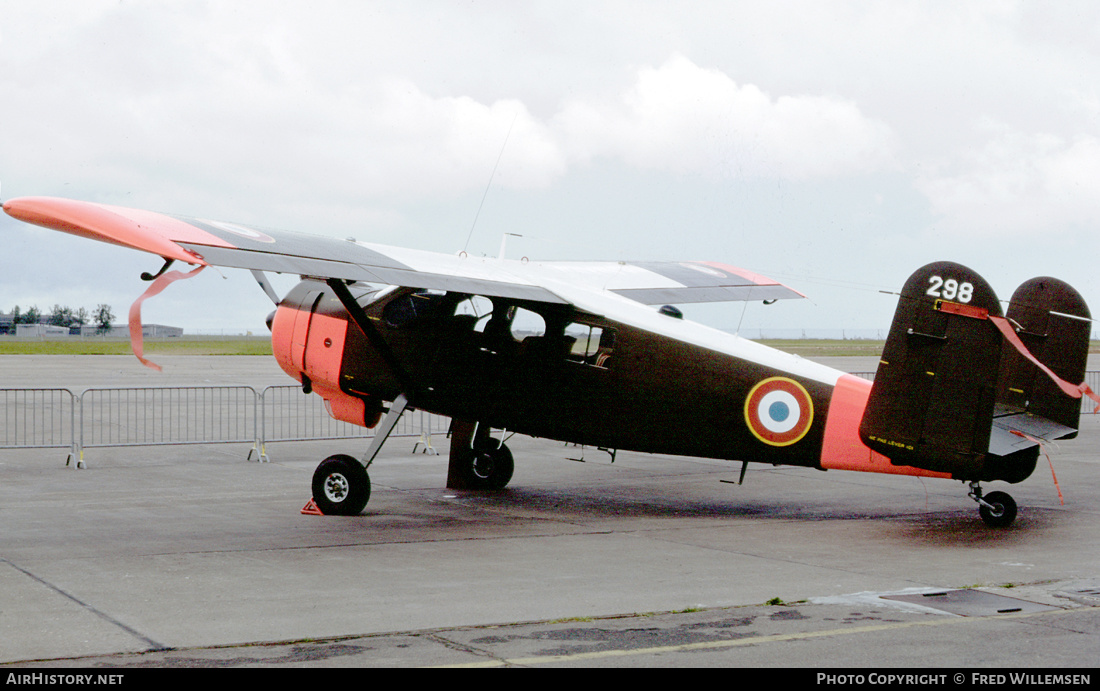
(949, 289)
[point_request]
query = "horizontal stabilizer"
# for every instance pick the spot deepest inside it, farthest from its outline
(1017, 431)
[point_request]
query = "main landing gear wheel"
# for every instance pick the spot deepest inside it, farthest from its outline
(997, 509)
(341, 486)
(489, 466)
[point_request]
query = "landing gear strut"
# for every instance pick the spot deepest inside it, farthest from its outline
(478, 461)
(997, 509)
(491, 466)
(341, 486)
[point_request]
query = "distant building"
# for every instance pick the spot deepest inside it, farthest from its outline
(9, 327)
(123, 331)
(160, 331)
(39, 330)
(114, 331)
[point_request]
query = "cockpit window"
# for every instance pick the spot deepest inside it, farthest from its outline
(365, 293)
(416, 306)
(477, 307)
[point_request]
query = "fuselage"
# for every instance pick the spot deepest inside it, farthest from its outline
(559, 372)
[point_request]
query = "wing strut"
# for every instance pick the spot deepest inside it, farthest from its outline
(261, 278)
(359, 316)
(383, 432)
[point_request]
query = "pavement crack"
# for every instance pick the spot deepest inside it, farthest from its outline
(436, 637)
(153, 644)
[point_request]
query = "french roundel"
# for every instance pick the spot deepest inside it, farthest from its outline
(779, 411)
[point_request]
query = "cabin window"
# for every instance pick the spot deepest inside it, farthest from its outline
(527, 324)
(592, 345)
(517, 322)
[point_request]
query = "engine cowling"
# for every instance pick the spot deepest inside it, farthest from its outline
(309, 335)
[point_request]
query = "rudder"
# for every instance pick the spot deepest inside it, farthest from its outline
(931, 404)
(1053, 322)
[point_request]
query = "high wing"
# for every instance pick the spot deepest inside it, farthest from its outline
(204, 242)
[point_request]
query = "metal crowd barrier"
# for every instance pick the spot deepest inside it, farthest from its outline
(165, 416)
(101, 417)
(1092, 379)
(287, 415)
(38, 419)
(154, 416)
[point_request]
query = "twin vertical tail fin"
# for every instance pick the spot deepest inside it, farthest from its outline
(965, 389)
(1053, 324)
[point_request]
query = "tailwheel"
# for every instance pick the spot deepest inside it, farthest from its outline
(341, 486)
(997, 509)
(489, 466)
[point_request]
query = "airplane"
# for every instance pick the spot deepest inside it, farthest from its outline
(594, 353)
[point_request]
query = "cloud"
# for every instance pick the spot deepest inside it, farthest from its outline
(1018, 183)
(396, 140)
(408, 143)
(677, 118)
(682, 118)
(253, 110)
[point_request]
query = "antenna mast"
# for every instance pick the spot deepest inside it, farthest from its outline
(490, 184)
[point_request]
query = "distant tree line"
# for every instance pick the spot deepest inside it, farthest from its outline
(101, 316)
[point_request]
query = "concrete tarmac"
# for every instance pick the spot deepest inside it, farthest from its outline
(192, 556)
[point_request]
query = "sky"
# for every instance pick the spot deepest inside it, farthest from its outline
(834, 146)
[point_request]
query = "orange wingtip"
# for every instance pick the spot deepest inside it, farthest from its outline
(142, 230)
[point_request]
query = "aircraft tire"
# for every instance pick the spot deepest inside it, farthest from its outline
(1003, 513)
(490, 466)
(341, 486)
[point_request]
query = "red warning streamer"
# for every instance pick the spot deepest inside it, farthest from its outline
(1043, 446)
(1006, 329)
(1074, 390)
(136, 340)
